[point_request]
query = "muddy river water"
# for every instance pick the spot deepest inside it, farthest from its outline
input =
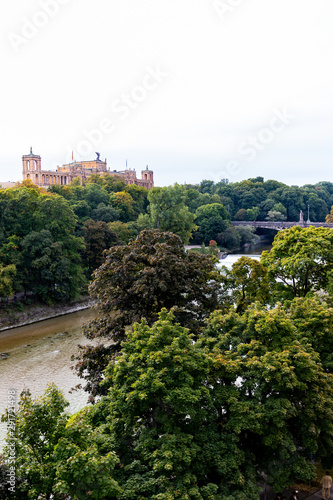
(39, 354)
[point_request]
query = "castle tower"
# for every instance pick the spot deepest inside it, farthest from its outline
(32, 166)
(147, 177)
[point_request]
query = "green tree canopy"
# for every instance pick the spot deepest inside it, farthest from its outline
(97, 237)
(168, 211)
(47, 269)
(274, 215)
(164, 422)
(300, 261)
(7, 274)
(84, 462)
(188, 416)
(58, 454)
(136, 281)
(212, 219)
(270, 389)
(105, 213)
(313, 319)
(211, 210)
(247, 282)
(122, 230)
(39, 424)
(123, 203)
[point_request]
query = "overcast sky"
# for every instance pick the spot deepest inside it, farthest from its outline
(196, 89)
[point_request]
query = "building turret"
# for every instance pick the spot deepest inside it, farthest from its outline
(32, 166)
(147, 177)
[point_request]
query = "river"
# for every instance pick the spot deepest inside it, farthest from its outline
(40, 353)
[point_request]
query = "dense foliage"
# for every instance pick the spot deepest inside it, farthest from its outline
(300, 261)
(204, 419)
(136, 281)
(55, 239)
(209, 382)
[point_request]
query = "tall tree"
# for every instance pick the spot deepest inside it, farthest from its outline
(84, 462)
(247, 282)
(105, 213)
(313, 318)
(47, 268)
(97, 237)
(168, 211)
(212, 220)
(136, 281)
(164, 424)
(7, 274)
(56, 455)
(123, 203)
(38, 426)
(300, 261)
(270, 389)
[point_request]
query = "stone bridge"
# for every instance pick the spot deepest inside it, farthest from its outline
(278, 226)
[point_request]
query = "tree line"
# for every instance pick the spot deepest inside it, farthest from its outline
(52, 241)
(206, 382)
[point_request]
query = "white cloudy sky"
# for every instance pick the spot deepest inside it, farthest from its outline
(196, 89)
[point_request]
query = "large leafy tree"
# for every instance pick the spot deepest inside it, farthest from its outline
(317, 207)
(55, 214)
(122, 230)
(313, 318)
(105, 213)
(49, 274)
(18, 206)
(230, 238)
(84, 462)
(57, 455)
(140, 198)
(301, 261)
(247, 282)
(212, 220)
(136, 281)
(93, 194)
(211, 418)
(271, 391)
(39, 424)
(123, 203)
(97, 237)
(168, 212)
(28, 211)
(7, 274)
(165, 426)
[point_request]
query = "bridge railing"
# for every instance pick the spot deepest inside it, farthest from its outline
(279, 224)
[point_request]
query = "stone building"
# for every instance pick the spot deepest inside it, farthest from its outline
(6, 185)
(32, 169)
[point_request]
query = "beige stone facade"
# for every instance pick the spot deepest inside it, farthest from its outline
(32, 169)
(6, 185)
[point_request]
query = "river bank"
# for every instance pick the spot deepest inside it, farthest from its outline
(12, 317)
(40, 353)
